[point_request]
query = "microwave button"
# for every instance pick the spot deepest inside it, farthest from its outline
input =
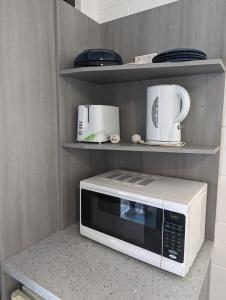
(173, 252)
(172, 256)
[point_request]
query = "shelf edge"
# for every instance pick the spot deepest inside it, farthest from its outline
(140, 148)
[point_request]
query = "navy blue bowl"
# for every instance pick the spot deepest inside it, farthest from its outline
(97, 57)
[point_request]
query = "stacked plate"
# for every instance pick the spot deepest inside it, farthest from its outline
(179, 55)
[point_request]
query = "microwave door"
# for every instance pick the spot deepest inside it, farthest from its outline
(128, 221)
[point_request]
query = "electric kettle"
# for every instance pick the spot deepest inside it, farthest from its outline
(167, 107)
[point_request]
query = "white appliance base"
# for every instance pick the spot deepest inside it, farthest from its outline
(166, 144)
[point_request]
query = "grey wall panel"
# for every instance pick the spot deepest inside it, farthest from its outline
(76, 32)
(179, 24)
(29, 197)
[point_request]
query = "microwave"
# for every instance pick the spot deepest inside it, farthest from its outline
(158, 220)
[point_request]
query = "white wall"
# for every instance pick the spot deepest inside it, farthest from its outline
(218, 273)
(107, 10)
(90, 8)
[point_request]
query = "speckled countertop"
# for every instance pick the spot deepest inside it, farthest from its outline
(68, 266)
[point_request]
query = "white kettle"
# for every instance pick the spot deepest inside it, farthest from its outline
(167, 107)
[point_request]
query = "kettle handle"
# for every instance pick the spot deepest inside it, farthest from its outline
(186, 103)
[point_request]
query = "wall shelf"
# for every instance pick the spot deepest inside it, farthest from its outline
(203, 150)
(123, 73)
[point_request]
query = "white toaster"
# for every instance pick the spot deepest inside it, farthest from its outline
(96, 123)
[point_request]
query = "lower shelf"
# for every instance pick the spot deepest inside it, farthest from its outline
(204, 150)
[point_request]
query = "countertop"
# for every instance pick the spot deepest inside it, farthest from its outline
(68, 266)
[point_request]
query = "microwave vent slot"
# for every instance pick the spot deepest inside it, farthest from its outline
(113, 176)
(123, 177)
(146, 182)
(135, 179)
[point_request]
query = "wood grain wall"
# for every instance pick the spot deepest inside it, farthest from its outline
(29, 197)
(75, 32)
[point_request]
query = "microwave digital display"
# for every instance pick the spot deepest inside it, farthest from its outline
(174, 217)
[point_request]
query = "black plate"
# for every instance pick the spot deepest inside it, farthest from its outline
(181, 57)
(180, 53)
(177, 60)
(181, 50)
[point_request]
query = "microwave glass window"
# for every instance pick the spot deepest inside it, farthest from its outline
(139, 213)
(130, 221)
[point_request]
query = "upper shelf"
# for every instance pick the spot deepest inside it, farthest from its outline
(132, 72)
(201, 150)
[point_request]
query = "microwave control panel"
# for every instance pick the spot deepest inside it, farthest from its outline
(174, 236)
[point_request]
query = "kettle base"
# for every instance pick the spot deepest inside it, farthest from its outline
(166, 144)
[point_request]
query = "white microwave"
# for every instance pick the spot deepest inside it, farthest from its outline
(158, 220)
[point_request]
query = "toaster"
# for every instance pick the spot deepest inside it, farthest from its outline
(97, 123)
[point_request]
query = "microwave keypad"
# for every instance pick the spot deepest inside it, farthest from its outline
(173, 236)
